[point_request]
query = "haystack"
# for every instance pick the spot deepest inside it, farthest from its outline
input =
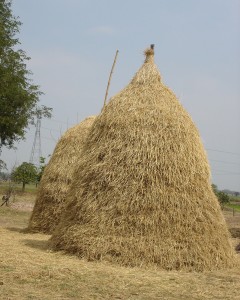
(57, 178)
(142, 193)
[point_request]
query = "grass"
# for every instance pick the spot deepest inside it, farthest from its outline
(29, 270)
(235, 198)
(232, 205)
(30, 188)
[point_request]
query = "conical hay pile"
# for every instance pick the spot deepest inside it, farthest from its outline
(141, 194)
(57, 177)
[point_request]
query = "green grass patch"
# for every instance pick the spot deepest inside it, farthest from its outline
(235, 199)
(235, 206)
(30, 188)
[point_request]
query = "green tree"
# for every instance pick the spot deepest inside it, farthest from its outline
(215, 189)
(18, 96)
(223, 198)
(25, 173)
(4, 176)
(3, 166)
(41, 112)
(41, 168)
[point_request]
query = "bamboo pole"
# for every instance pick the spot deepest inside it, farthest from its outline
(109, 80)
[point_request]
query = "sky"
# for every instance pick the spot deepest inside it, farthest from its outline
(72, 44)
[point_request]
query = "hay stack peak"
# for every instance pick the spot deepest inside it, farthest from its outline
(57, 177)
(148, 73)
(142, 194)
(149, 54)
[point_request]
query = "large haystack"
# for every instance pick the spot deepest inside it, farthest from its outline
(141, 194)
(57, 178)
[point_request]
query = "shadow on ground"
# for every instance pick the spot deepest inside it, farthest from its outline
(36, 244)
(235, 232)
(17, 229)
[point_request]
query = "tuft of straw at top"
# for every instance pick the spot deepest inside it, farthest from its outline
(149, 54)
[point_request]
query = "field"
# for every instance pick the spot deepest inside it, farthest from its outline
(29, 270)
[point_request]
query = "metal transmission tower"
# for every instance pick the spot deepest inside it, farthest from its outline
(36, 152)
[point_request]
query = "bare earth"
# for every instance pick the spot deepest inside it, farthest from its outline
(28, 270)
(22, 206)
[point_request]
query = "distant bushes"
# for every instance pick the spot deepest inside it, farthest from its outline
(223, 198)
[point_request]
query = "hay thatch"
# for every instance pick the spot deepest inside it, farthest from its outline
(142, 192)
(57, 178)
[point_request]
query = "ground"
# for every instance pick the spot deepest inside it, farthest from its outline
(29, 270)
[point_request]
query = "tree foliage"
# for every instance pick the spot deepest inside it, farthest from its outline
(25, 173)
(41, 169)
(3, 165)
(41, 112)
(215, 189)
(18, 96)
(4, 176)
(223, 198)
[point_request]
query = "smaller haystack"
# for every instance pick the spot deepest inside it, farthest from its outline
(57, 178)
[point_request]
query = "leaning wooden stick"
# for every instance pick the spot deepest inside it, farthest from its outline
(5, 199)
(109, 80)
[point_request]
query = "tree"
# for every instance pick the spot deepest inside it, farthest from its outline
(25, 173)
(215, 189)
(3, 165)
(41, 169)
(4, 176)
(223, 198)
(18, 96)
(41, 112)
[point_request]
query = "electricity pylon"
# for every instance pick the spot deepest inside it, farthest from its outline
(36, 152)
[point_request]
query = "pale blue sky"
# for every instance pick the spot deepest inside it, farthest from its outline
(72, 44)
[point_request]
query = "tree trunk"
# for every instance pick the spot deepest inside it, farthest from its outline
(23, 187)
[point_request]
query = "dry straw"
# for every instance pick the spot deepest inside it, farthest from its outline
(141, 194)
(57, 177)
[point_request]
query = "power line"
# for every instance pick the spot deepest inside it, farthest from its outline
(225, 162)
(226, 172)
(223, 174)
(62, 122)
(234, 153)
(209, 149)
(51, 129)
(44, 137)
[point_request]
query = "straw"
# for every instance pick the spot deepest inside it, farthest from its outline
(57, 178)
(141, 194)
